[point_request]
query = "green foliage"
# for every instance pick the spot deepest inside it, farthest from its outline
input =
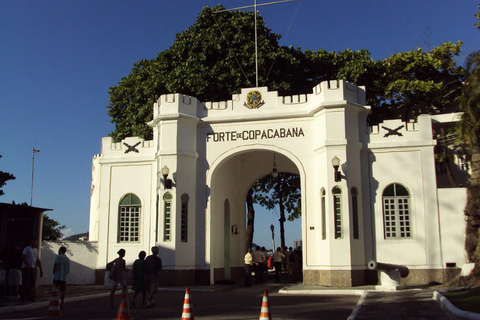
(4, 177)
(214, 59)
(477, 15)
(51, 229)
(419, 82)
(469, 128)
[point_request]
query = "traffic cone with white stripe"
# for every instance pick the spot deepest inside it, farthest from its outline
(54, 306)
(187, 312)
(265, 311)
(123, 309)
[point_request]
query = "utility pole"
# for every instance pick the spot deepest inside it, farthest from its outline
(273, 237)
(35, 150)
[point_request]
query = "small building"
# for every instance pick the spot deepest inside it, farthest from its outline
(184, 190)
(19, 224)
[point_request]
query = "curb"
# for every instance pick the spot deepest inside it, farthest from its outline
(453, 311)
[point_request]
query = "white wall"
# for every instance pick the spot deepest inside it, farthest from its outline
(83, 258)
(451, 203)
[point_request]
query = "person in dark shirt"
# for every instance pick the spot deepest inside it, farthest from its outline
(14, 266)
(152, 268)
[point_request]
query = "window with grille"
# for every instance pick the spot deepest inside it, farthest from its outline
(355, 213)
(129, 219)
(396, 212)
(167, 220)
(324, 218)
(337, 210)
(184, 217)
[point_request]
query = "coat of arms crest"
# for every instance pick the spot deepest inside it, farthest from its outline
(254, 100)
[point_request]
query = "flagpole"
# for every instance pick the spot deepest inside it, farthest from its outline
(31, 188)
(256, 41)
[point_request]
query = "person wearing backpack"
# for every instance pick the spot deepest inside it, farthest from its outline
(116, 274)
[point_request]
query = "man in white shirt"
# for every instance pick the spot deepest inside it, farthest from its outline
(258, 261)
(30, 262)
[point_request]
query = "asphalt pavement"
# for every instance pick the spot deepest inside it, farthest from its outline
(373, 302)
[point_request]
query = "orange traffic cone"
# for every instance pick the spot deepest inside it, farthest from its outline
(54, 306)
(123, 309)
(265, 311)
(187, 312)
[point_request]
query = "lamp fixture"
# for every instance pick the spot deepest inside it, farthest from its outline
(234, 229)
(336, 164)
(167, 183)
(274, 172)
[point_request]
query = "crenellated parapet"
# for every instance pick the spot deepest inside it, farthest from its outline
(398, 132)
(338, 90)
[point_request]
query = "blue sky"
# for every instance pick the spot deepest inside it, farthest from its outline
(59, 58)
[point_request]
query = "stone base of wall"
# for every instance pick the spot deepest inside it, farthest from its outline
(350, 278)
(336, 278)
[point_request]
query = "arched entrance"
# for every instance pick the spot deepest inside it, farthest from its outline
(229, 180)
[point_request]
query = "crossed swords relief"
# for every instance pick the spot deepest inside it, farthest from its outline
(393, 132)
(131, 148)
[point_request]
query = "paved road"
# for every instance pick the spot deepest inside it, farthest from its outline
(234, 303)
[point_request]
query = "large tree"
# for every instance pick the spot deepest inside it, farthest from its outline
(4, 177)
(214, 59)
(282, 192)
(469, 130)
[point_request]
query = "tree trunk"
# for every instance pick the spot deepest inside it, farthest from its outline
(250, 219)
(282, 225)
(282, 219)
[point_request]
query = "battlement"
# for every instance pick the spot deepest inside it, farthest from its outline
(174, 103)
(301, 98)
(397, 131)
(335, 90)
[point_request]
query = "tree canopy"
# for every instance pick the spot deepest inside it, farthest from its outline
(214, 59)
(4, 177)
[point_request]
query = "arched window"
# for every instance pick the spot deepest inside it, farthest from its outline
(324, 218)
(337, 210)
(396, 212)
(184, 222)
(167, 217)
(354, 192)
(129, 218)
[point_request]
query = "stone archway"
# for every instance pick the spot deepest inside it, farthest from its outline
(231, 178)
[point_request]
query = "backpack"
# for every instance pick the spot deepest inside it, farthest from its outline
(112, 268)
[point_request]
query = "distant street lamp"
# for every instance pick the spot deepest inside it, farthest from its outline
(33, 163)
(273, 238)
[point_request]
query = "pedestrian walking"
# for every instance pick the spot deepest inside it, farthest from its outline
(278, 257)
(116, 274)
(153, 266)
(248, 262)
(14, 266)
(258, 263)
(138, 275)
(61, 268)
(30, 263)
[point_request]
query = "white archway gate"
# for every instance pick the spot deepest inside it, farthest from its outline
(216, 150)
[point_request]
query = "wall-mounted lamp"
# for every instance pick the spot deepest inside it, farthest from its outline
(336, 164)
(274, 172)
(234, 229)
(166, 182)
